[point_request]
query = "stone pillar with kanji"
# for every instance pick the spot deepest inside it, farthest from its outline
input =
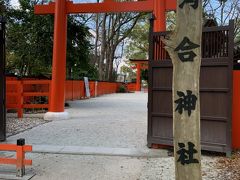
(184, 47)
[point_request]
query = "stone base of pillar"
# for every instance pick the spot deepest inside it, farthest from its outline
(56, 116)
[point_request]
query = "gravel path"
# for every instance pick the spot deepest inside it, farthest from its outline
(116, 121)
(16, 125)
(111, 121)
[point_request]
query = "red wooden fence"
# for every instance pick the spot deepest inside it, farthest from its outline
(20, 148)
(131, 86)
(76, 90)
(29, 94)
(23, 94)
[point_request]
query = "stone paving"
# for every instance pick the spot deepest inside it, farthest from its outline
(118, 121)
(105, 139)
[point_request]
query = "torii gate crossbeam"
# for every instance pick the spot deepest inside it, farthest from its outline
(60, 9)
(105, 7)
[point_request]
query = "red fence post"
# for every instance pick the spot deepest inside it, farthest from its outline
(138, 84)
(20, 158)
(20, 99)
(49, 89)
(96, 89)
(72, 90)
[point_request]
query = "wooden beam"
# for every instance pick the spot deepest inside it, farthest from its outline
(141, 61)
(45, 9)
(105, 7)
(138, 83)
(171, 5)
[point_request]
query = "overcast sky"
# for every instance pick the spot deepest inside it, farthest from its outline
(14, 3)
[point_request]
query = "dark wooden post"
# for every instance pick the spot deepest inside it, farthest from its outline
(2, 81)
(20, 158)
(184, 47)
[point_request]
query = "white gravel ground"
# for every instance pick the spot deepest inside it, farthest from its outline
(15, 125)
(112, 121)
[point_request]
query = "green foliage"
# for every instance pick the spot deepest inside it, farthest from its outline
(128, 71)
(30, 43)
(122, 89)
(137, 47)
(237, 31)
(78, 50)
(4, 4)
(171, 21)
(144, 74)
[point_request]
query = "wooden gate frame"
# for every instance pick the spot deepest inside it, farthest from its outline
(2, 81)
(163, 61)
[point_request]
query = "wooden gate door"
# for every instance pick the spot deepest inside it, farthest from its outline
(2, 81)
(215, 90)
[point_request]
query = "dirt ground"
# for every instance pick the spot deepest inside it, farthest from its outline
(230, 167)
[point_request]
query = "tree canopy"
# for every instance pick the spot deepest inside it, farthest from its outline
(30, 43)
(30, 38)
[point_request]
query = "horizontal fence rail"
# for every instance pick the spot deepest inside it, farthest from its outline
(27, 94)
(35, 94)
(14, 96)
(20, 148)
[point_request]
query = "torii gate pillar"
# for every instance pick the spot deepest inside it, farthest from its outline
(139, 65)
(159, 12)
(60, 8)
(57, 92)
(138, 80)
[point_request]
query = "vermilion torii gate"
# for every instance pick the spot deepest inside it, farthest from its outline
(140, 64)
(61, 8)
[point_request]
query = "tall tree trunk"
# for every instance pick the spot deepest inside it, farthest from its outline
(103, 48)
(184, 47)
(110, 72)
(112, 36)
(109, 44)
(96, 58)
(108, 59)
